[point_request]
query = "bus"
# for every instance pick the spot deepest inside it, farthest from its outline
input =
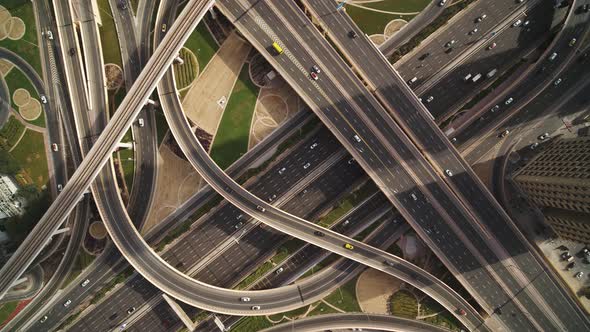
(277, 48)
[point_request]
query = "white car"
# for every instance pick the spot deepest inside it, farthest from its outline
(414, 197)
(245, 299)
(505, 133)
(509, 101)
(140, 122)
(60, 187)
(279, 270)
(442, 3)
(517, 23)
(43, 319)
(67, 303)
(43, 99)
(579, 275)
(430, 99)
(448, 172)
(54, 147)
(534, 145)
(313, 146)
(85, 283)
(306, 166)
(357, 138)
(495, 108)
(544, 136)
(282, 170)
(472, 32)
(255, 307)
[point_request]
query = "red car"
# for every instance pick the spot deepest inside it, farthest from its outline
(314, 76)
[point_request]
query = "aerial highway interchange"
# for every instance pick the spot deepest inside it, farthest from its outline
(398, 133)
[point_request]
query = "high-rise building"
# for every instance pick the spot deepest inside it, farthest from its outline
(558, 182)
(9, 205)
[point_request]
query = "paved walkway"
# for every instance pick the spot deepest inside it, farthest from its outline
(206, 99)
(373, 290)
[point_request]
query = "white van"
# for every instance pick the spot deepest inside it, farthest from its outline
(476, 78)
(413, 80)
(553, 56)
(491, 73)
(466, 78)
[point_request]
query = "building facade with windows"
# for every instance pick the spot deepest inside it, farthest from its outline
(558, 182)
(9, 205)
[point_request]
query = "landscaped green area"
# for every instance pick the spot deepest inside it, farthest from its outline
(185, 73)
(161, 125)
(322, 309)
(26, 47)
(344, 298)
(6, 309)
(231, 140)
(404, 304)
(249, 324)
(16, 79)
(10, 133)
(374, 22)
(30, 154)
(202, 44)
(348, 203)
(134, 4)
(443, 318)
(82, 261)
(290, 314)
(108, 35)
(126, 156)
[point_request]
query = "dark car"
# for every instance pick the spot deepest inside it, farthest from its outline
(122, 4)
(352, 34)
(72, 51)
(130, 310)
(424, 56)
(318, 233)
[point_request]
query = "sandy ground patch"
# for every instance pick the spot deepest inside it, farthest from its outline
(207, 97)
(5, 67)
(177, 180)
(373, 289)
(4, 22)
(97, 230)
(114, 75)
(17, 28)
(377, 39)
(31, 111)
(21, 97)
(394, 26)
(275, 105)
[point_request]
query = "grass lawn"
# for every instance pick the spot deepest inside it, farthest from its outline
(202, 44)
(127, 160)
(108, 35)
(444, 318)
(10, 133)
(347, 204)
(82, 261)
(290, 314)
(322, 309)
(27, 47)
(372, 22)
(6, 309)
(185, 73)
(30, 153)
(17, 80)
(233, 133)
(345, 297)
(404, 304)
(161, 125)
(249, 324)
(134, 4)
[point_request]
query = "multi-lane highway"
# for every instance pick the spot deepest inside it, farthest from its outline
(489, 257)
(412, 28)
(104, 145)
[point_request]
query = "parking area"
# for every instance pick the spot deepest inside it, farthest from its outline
(570, 261)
